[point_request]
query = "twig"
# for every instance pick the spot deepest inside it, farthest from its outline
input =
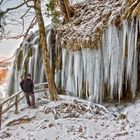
(1, 2)
(8, 58)
(13, 8)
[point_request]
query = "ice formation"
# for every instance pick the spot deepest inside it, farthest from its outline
(86, 72)
(113, 64)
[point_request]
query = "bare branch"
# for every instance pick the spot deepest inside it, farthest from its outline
(13, 37)
(14, 21)
(33, 22)
(1, 2)
(14, 8)
(25, 12)
(8, 58)
(22, 27)
(30, 6)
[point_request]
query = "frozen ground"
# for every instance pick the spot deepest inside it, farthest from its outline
(72, 119)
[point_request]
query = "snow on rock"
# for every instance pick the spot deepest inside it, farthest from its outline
(90, 20)
(92, 122)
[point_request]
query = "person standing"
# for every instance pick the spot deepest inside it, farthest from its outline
(27, 86)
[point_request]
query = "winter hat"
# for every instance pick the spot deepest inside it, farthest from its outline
(28, 75)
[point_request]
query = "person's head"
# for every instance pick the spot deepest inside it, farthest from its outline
(28, 76)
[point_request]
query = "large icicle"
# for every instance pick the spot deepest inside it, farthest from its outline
(122, 62)
(134, 64)
(64, 75)
(70, 80)
(90, 69)
(78, 72)
(98, 78)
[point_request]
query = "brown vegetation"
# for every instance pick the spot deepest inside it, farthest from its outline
(3, 74)
(91, 19)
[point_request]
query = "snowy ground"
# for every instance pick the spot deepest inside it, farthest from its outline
(72, 119)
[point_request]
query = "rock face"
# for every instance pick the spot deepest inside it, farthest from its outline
(95, 56)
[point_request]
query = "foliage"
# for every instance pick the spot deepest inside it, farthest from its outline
(54, 11)
(60, 8)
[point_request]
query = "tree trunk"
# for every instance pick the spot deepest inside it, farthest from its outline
(44, 51)
(66, 9)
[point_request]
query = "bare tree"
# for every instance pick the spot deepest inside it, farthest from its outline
(11, 17)
(44, 50)
(36, 5)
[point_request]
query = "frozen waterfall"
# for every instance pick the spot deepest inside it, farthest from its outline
(111, 66)
(94, 74)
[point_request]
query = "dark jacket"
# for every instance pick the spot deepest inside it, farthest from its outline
(27, 85)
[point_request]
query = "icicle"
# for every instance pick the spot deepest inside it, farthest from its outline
(36, 57)
(113, 45)
(57, 78)
(65, 60)
(105, 51)
(90, 65)
(131, 47)
(123, 50)
(42, 75)
(134, 78)
(97, 77)
(134, 65)
(70, 82)
(85, 84)
(78, 72)
(58, 54)
(11, 80)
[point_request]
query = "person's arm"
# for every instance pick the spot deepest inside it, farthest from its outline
(21, 84)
